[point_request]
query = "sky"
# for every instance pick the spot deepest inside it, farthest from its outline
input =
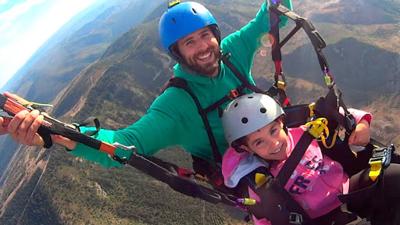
(26, 24)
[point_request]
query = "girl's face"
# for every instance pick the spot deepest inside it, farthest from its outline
(269, 142)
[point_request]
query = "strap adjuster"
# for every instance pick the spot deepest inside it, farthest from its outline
(234, 93)
(380, 159)
(295, 218)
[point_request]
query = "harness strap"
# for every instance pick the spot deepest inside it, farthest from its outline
(272, 91)
(316, 40)
(329, 107)
(230, 96)
(279, 77)
(275, 203)
(238, 74)
(181, 83)
(294, 158)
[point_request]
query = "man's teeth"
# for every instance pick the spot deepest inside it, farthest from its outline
(205, 56)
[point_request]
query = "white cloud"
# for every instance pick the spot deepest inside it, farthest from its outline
(19, 9)
(2, 2)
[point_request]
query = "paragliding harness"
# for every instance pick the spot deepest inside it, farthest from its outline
(283, 209)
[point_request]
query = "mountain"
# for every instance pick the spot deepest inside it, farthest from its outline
(59, 189)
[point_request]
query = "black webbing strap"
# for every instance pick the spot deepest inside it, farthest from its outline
(238, 74)
(181, 83)
(317, 41)
(87, 122)
(275, 204)
(233, 94)
(296, 115)
(277, 59)
(294, 158)
(329, 107)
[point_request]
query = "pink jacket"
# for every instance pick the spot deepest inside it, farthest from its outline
(314, 184)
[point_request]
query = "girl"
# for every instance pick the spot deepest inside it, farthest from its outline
(254, 128)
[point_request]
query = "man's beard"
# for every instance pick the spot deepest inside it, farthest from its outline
(207, 69)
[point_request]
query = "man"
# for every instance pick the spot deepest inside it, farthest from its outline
(190, 34)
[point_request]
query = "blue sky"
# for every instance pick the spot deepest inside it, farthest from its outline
(26, 24)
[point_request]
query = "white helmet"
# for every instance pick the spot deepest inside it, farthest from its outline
(249, 113)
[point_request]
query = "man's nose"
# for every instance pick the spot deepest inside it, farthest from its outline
(202, 46)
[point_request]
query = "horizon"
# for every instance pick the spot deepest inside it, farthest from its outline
(26, 25)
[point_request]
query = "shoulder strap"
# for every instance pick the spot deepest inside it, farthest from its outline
(294, 158)
(182, 83)
(243, 80)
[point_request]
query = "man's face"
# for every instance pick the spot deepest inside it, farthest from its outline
(200, 51)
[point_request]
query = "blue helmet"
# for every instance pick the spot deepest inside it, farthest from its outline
(182, 19)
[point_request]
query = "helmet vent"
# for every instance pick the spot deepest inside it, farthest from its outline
(245, 120)
(194, 10)
(236, 105)
(250, 97)
(263, 110)
(173, 20)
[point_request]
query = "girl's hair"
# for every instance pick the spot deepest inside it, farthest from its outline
(239, 142)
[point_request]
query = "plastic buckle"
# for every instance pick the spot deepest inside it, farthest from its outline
(295, 218)
(233, 94)
(380, 159)
(375, 168)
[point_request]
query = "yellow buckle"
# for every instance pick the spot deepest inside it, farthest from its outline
(281, 85)
(375, 170)
(173, 3)
(328, 80)
(260, 179)
(312, 108)
(248, 201)
(318, 128)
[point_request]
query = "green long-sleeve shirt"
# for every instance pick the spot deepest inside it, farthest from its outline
(173, 118)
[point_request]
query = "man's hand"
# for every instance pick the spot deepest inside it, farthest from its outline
(23, 128)
(3, 126)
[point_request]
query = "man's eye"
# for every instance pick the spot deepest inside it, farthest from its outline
(206, 34)
(187, 43)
